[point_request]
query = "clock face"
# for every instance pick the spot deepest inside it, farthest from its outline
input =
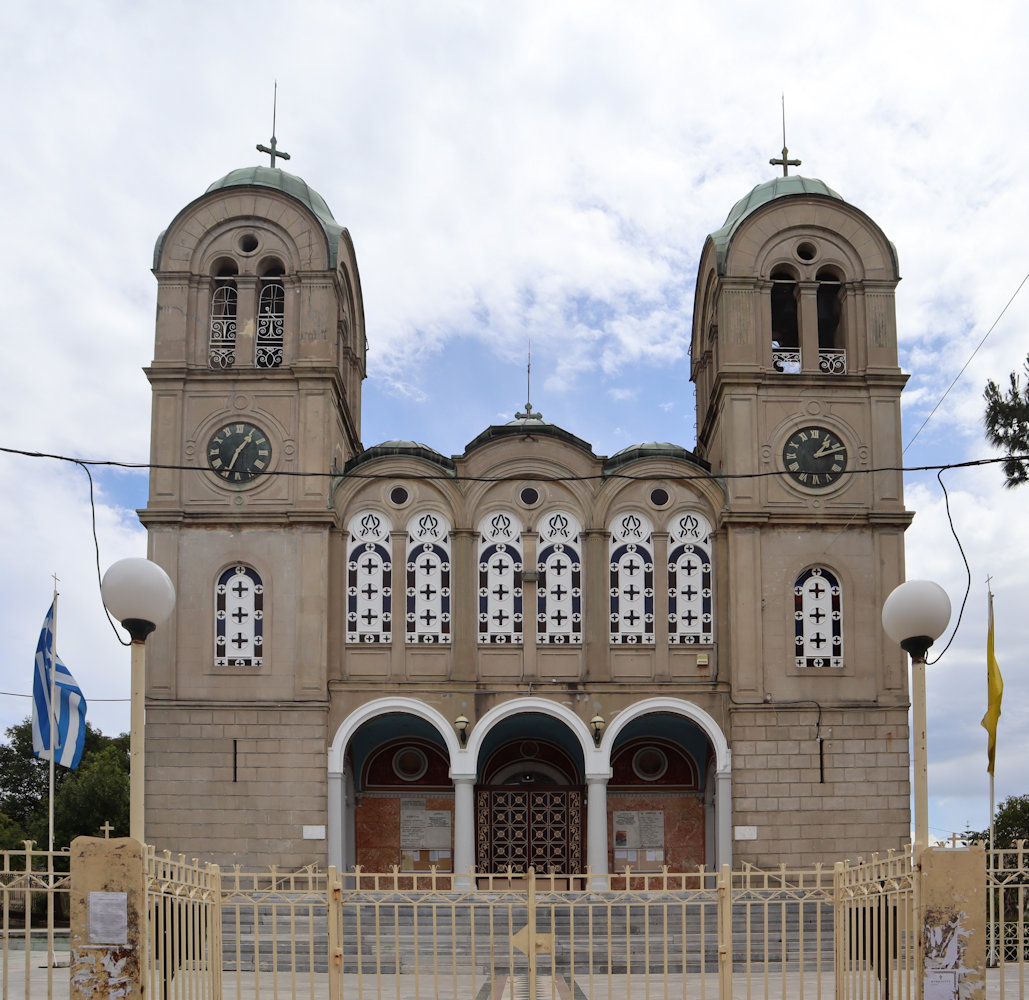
(815, 457)
(239, 452)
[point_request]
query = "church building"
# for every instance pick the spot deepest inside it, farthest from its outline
(526, 653)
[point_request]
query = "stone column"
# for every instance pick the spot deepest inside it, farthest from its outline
(336, 823)
(596, 829)
(807, 309)
(464, 830)
(723, 818)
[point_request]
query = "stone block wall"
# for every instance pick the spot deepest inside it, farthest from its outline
(237, 785)
(857, 802)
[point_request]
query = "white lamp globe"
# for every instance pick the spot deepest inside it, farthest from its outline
(138, 590)
(916, 614)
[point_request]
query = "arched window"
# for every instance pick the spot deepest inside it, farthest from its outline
(500, 579)
(832, 356)
(239, 618)
(785, 322)
(369, 579)
(632, 580)
(690, 579)
(428, 578)
(818, 614)
(224, 298)
(559, 584)
(271, 313)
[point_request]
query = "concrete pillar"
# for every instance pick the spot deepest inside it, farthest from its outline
(807, 311)
(336, 821)
(464, 830)
(108, 919)
(952, 921)
(723, 818)
(596, 829)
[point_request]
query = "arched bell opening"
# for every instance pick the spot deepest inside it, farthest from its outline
(530, 798)
(657, 797)
(402, 804)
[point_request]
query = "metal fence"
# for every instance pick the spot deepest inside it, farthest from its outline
(34, 900)
(847, 932)
(183, 953)
(876, 939)
(748, 933)
(1007, 943)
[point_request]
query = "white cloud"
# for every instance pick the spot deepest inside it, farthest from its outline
(544, 172)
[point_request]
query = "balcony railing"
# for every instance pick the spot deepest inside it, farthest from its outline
(787, 361)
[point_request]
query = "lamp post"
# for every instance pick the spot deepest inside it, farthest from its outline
(141, 596)
(915, 615)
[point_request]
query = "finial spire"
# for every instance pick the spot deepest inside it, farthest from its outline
(784, 161)
(528, 414)
(270, 148)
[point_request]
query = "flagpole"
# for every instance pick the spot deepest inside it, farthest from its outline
(53, 721)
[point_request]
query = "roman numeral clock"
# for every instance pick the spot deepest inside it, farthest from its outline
(239, 452)
(814, 457)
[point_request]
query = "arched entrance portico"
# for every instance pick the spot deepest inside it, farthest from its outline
(501, 757)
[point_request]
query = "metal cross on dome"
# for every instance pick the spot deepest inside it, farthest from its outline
(784, 161)
(271, 149)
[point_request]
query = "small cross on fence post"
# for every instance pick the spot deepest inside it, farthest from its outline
(107, 828)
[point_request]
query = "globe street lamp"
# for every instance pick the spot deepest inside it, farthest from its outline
(915, 615)
(141, 596)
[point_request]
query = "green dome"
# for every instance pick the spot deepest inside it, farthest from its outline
(395, 448)
(651, 449)
(778, 187)
(289, 184)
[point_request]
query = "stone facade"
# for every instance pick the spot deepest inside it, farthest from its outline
(527, 653)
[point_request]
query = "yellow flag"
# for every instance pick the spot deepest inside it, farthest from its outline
(995, 685)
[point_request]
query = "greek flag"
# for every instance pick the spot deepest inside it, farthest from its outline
(71, 706)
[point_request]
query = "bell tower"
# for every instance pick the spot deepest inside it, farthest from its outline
(258, 362)
(794, 356)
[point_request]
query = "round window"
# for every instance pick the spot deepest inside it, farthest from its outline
(659, 497)
(409, 764)
(247, 243)
(398, 495)
(806, 251)
(649, 763)
(529, 496)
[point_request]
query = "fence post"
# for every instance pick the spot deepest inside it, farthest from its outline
(724, 883)
(215, 917)
(840, 930)
(530, 903)
(952, 923)
(108, 918)
(333, 902)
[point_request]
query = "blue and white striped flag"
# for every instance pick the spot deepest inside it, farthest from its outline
(71, 706)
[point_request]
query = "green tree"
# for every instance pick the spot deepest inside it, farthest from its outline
(95, 788)
(1007, 424)
(1010, 823)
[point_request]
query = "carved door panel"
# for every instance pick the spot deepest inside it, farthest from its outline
(518, 827)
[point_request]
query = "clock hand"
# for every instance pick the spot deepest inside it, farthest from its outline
(824, 450)
(242, 445)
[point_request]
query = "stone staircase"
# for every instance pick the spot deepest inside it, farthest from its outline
(390, 934)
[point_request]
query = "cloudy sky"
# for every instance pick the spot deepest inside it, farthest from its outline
(518, 172)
